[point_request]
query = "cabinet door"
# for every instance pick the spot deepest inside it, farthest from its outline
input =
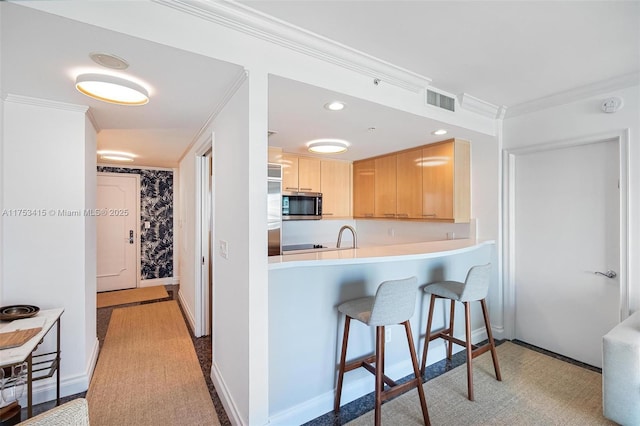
(437, 183)
(308, 174)
(335, 185)
(409, 184)
(385, 186)
(364, 173)
(289, 172)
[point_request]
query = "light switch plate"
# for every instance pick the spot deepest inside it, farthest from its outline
(224, 249)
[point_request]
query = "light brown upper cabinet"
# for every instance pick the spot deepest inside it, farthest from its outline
(431, 182)
(289, 172)
(409, 184)
(364, 188)
(308, 174)
(300, 173)
(446, 181)
(385, 187)
(335, 183)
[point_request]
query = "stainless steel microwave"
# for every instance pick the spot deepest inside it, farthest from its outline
(301, 205)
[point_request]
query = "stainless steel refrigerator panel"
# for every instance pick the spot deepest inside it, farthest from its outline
(274, 209)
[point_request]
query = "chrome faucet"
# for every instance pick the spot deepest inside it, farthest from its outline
(353, 232)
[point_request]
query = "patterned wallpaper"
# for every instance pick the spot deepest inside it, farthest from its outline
(156, 207)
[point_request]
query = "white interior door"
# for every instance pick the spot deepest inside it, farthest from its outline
(117, 223)
(567, 224)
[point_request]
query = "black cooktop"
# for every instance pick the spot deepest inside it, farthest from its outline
(302, 247)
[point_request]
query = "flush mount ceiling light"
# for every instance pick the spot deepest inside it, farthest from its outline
(327, 146)
(439, 132)
(112, 89)
(335, 106)
(116, 156)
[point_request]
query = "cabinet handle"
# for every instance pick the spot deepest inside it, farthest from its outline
(403, 215)
(305, 189)
(429, 215)
(292, 187)
(368, 215)
(389, 215)
(327, 214)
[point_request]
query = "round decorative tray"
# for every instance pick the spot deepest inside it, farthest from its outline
(13, 312)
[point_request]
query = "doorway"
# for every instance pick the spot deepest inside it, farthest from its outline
(117, 231)
(204, 239)
(566, 244)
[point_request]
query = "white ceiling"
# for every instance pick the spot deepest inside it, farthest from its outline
(43, 53)
(503, 52)
(506, 53)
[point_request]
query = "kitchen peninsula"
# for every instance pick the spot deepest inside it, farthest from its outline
(305, 328)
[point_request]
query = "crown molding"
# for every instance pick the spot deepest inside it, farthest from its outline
(93, 121)
(260, 25)
(231, 91)
(478, 106)
(568, 96)
(28, 100)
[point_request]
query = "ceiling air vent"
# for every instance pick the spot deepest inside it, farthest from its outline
(440, 100)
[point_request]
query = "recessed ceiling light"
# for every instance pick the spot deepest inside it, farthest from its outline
(439, 132)
(108, 60)
(112, 89)
(327, 146)
(116, 156)
(335, 106)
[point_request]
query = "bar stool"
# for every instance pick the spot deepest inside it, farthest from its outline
(393, 303)
(475, 288)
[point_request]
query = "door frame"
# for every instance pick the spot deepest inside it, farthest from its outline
(509, 157)
(138, 244)
(201, 276)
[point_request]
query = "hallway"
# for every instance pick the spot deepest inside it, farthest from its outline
(202, 347)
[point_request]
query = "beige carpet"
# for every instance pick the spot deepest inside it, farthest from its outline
(536, 390)
(122, 297)
(148, 372)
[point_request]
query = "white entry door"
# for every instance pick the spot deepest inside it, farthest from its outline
(118, 251)
(567, 224)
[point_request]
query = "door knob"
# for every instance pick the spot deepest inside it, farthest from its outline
(131, 236)
(608, 274)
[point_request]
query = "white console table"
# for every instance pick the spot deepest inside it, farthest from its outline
(40, 366)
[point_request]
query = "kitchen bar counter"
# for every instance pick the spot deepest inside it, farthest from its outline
(305, 327)
(375, 254)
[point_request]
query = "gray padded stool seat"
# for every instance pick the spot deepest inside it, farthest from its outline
(475, 288)
(393, 303)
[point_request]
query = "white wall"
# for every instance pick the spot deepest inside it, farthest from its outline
(49, 259)
(584, 118)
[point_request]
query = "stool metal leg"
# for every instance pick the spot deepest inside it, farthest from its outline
(494, 354)
(467, 326)
(418, 376)
(343, 357)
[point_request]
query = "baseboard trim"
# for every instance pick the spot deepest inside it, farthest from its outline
(159, 281)
(225, 397)
(187, 312)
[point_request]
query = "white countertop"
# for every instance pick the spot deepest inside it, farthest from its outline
(45, 319)
(388, 253)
